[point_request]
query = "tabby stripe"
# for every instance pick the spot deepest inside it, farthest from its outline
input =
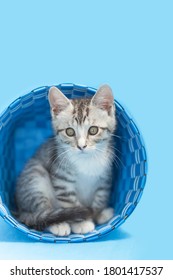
(100, 203)
(105, 128)
(67, 142)
(105, 188)
(59, 187)
(87, 111)
(61, 177)
(64, 200)
(66, 194)
(60, 130)
(100, 140)
(76, 120)
(36, 205)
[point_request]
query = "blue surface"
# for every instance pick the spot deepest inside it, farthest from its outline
(128, 45)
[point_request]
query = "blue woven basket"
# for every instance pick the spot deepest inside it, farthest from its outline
(25, 125)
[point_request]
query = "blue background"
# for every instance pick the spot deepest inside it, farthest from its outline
(127, 44)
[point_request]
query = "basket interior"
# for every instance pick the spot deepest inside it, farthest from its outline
(26, 124)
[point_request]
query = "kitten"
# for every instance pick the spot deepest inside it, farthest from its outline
(66, 186)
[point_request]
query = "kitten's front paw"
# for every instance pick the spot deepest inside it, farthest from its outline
(82, 227)
(61, 229)
(105, 215)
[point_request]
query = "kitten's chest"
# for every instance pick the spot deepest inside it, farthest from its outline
(88, 177)
(86, 187)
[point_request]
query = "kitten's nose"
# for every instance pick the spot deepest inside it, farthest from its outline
(81, 143)
(81, 147)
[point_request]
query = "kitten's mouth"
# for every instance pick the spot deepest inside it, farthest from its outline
(83, 151)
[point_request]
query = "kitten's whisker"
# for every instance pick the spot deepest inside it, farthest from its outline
(114, 157)
(118, 136)
(65, 152)
(117, 157)
(62, 161)
(116, 149)
(103, 155)
(119, 160)
(56, 157)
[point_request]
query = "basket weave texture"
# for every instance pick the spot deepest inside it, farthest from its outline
(26, 124)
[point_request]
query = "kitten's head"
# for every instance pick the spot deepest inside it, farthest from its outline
(83, 124)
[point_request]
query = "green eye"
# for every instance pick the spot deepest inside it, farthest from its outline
(70, 131)
(93, 130)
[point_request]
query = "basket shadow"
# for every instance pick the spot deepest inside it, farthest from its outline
(117, 234)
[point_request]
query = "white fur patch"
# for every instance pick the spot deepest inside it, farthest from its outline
(61, 229)
(82, 227)
(92, 161)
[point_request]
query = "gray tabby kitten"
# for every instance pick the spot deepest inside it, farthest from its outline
(66, 186)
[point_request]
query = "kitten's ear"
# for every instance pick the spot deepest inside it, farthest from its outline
(58, 101)
(103, 98)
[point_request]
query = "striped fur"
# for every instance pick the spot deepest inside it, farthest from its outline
(66, 185)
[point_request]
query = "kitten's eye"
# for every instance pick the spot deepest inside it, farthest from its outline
(70, 131)
(93, 130)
